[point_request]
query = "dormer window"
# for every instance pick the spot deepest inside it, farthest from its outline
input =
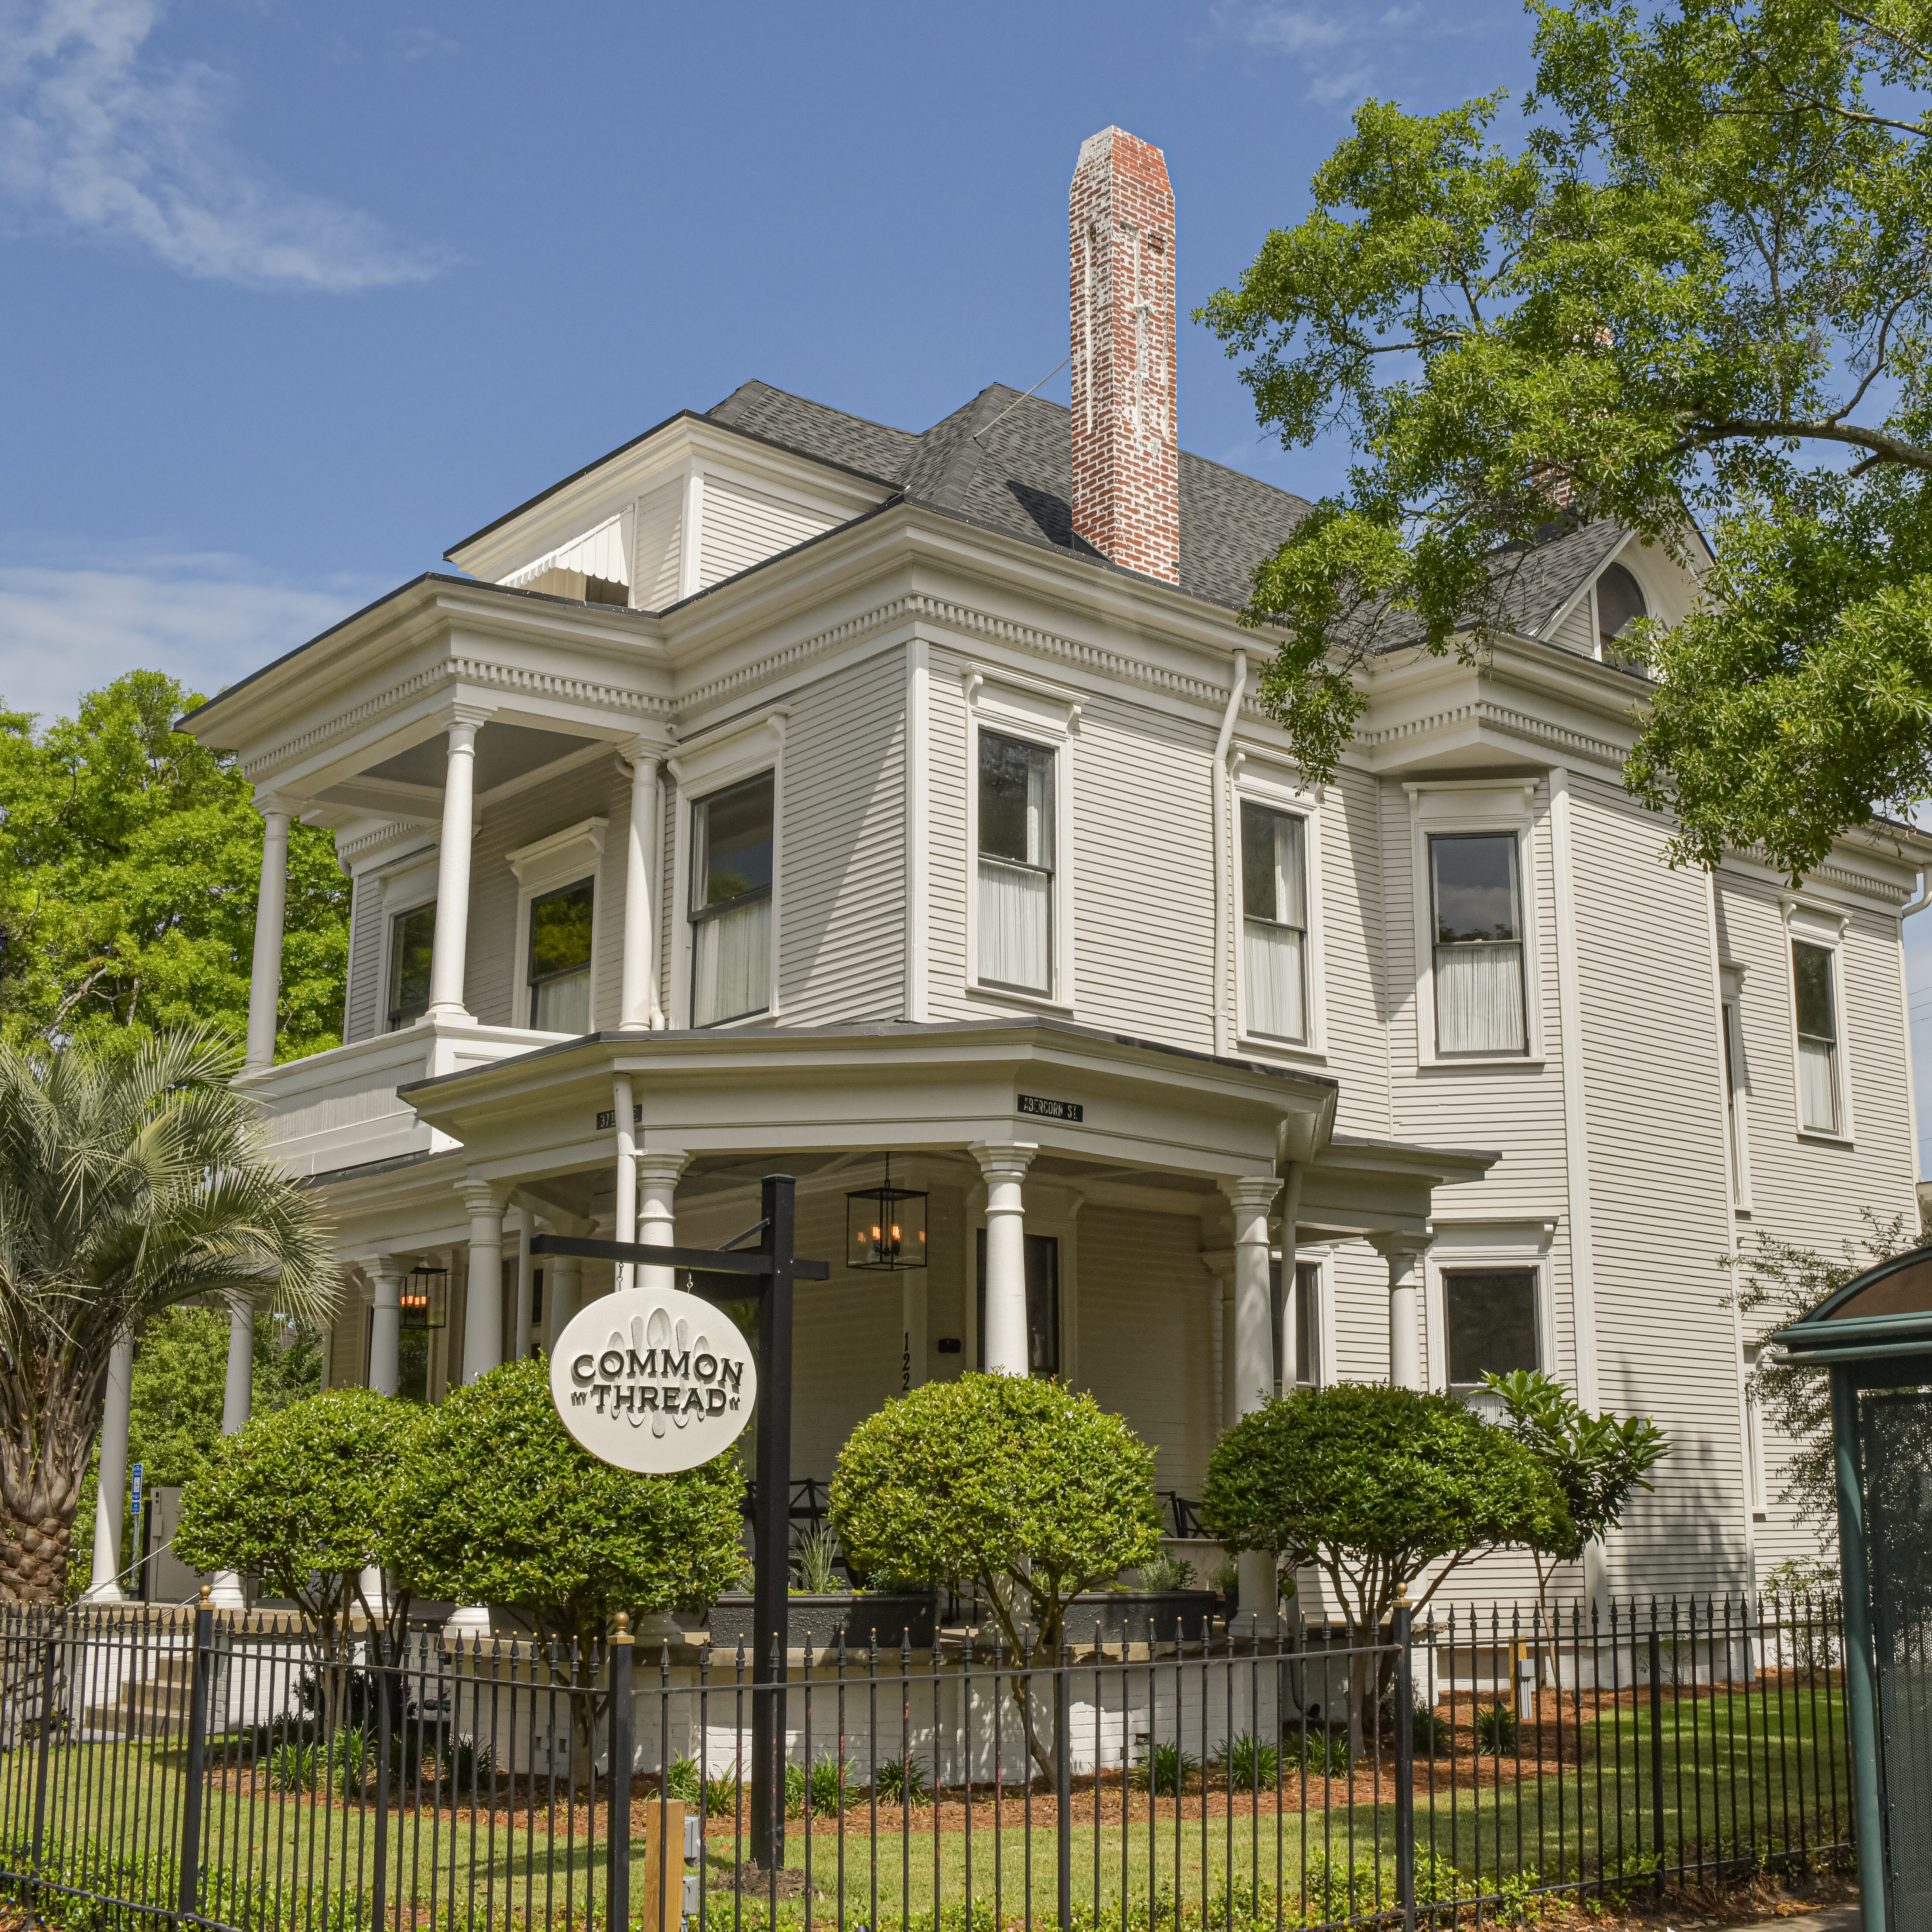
(1619, 603)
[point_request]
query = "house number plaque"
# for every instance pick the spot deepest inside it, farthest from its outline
(653, 1381)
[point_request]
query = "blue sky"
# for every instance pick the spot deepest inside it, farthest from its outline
(293, 296)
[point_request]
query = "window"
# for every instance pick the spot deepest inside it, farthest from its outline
(1817, 1001)
(1274, 923)
(1043, 1294)
(1477, 900)
(1295, 1317)
(1753, 1438)
(1735, 1119)
(559, 958)
(1619, 603)
(731, 901)
(1490, 1314)
(1016, 856)
(412, 935)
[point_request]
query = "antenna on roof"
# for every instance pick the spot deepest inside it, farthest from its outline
(1015, 404)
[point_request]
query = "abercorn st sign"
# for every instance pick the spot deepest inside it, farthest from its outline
(653, 1381)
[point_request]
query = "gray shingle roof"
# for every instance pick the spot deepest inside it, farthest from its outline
(1006, 463)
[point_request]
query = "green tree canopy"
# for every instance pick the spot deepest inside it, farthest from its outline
(1693, 284)
(130, 861)
(1022, 1487)
(1374, 1487)
(129, 1181)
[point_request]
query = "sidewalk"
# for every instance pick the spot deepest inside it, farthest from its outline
(1832, 1918)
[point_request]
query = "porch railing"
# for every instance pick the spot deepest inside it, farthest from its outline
(183, 1766)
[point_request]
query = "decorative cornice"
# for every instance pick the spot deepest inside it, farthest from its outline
(1496, 717)
(348, 850)
(1841, 876)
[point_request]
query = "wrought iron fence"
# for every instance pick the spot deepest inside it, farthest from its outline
(244, 1774)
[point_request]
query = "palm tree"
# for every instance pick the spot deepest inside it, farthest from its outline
(130, 1179)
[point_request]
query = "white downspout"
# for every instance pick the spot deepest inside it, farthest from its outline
(1223, 865)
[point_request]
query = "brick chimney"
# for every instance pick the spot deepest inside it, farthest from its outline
(1127, 475)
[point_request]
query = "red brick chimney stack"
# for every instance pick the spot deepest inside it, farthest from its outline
(1127, 458)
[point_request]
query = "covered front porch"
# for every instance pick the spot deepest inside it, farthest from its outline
(1181, 1235)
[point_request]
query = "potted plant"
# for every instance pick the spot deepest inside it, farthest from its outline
(823, 1605)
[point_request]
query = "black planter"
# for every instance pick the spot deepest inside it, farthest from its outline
(1140, 1616)
(820, 1621)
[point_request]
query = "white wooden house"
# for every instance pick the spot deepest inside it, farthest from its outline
(785, 792)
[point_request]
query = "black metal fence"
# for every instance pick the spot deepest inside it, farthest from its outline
(227, 1773)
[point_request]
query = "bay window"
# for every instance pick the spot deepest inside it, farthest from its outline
(731, 901)
(1476, 905)
(411, 936)
(1815, 995)
(1016, 858)
(1274, 923)
(558, 968)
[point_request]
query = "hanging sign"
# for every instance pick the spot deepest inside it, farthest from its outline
(653, 1380)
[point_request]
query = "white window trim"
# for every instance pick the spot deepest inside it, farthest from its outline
(1474, 805)
(401, 885)
(1480, 1245)
(735, 751)
(1817, 923)
(1256, 779)
(1731, 1012)
(1048, 716)
(562, 860)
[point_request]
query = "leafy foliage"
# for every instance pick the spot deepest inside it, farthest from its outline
(131, 1180)
(130, 866)
(497, 1504)
(1694, 286)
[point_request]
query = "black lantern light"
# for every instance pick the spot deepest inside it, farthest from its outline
(885, 1226)
(424, 1301)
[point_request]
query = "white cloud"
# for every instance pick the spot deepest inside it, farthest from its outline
(1342, 50)
(206, 620)
(99, 140)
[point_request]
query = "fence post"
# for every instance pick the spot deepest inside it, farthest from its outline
(1656, 1759)
(187, 1904)
(1405, 1761)
(617, 1790)
(47, 1629)
(389, 1684)
(1062, 1775)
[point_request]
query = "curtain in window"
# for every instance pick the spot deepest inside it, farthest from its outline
(1274, 901)
(1817, 1087)
(562, 1005)
(1016, 920)
(733, 965)
(1479, 999)
(1271, 962)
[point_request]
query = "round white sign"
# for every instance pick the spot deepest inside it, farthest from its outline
(653, 1380)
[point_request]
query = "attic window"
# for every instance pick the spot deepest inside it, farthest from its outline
(1619, 603)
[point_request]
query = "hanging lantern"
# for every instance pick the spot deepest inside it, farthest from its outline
(885, 1226)
(424, 1301)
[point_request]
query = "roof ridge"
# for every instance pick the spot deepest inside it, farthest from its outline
(830, 409)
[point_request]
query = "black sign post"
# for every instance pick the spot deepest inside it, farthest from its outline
(767, 1271)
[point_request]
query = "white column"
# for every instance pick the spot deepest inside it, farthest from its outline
(226, 1592)
(1251, 1196)
(656, 1215)
(1404, 1253)
(563, 1291)
(104, 1586)
(385, 1273)
(265, 982)
(483, 1304)
(1004, 1343)
(624, 1209)
(450, 947)
(526, 1283)
(638, 1005)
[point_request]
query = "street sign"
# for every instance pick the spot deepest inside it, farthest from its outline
(137, 1505)
(653, 1380)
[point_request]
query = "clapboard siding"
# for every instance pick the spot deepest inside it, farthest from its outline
(743, 526)
(842, 886)
(946, 840)
(659, 548)
(1577, 631)
(362, 1016)
(1354, 961)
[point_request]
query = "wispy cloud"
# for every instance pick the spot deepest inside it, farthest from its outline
(205, 620)
(100, 139)
(1343, 50)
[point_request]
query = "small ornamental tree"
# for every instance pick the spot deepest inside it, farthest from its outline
(1024, 1488)
(301, 1499)
(498, 1504)
(1373, 1486)
(1597, 1461)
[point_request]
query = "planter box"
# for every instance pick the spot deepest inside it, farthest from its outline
(1138, 1616)
(819, 1620)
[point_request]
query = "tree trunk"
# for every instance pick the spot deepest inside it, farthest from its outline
(49, 1415)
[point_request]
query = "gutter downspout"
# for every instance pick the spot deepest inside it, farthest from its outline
(1223, 864)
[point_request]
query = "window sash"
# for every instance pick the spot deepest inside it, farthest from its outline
(1490, 1317)
(1016, 926)
(1020, 831)
(411, 935)
(1814, 999)
(731, 960)
(561, 1004)
(1274, 923)
(1479, 999)
(1274, 968)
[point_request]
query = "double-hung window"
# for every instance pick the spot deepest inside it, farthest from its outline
(412, 935)
(1016, 863)
(1274, 923)
(558, 969)
(1476, 898)
(1820, 1108)
(731, 901)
